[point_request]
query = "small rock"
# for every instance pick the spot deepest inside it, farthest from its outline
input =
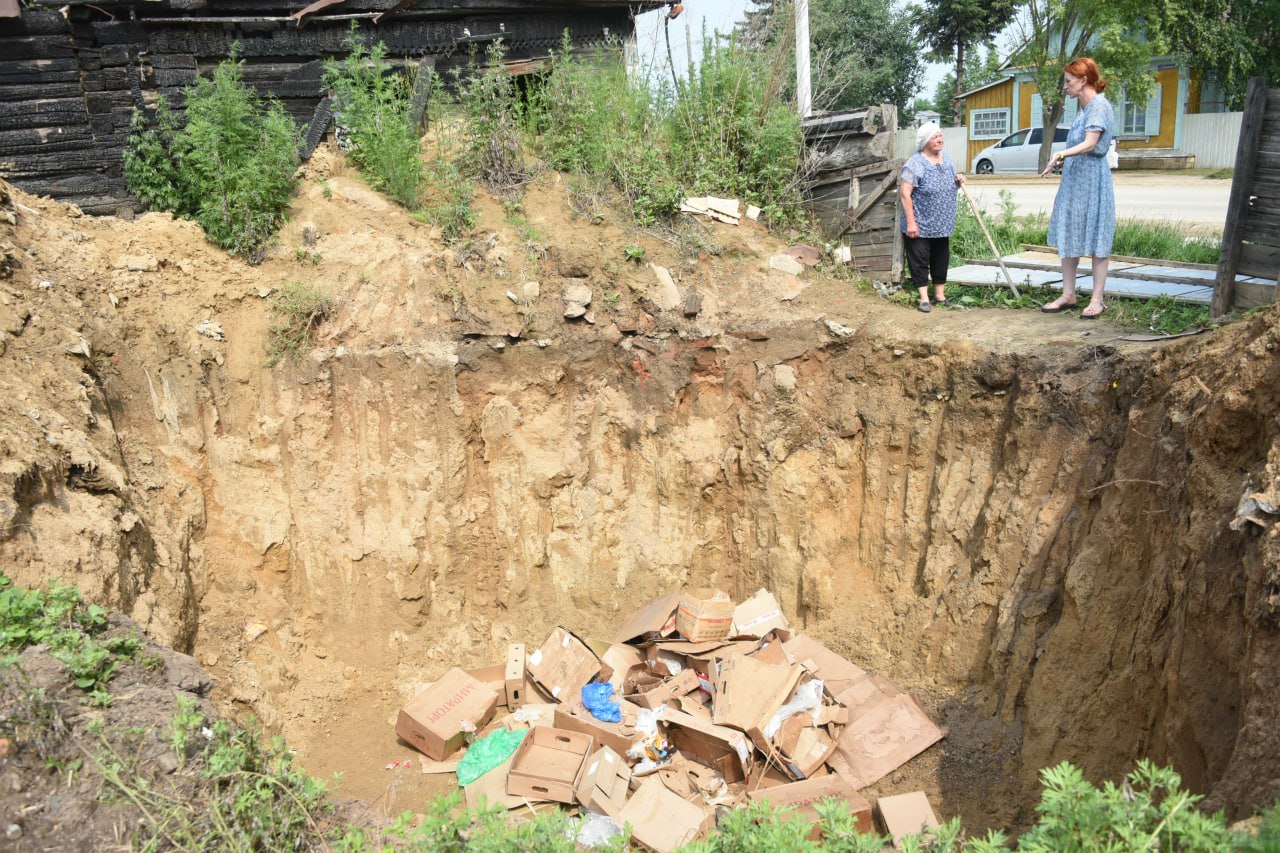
(137, 263)
(12, 831)
(785, 263)
(838, 329)
(753, 212)
(784, 376)
(668, 293)
(532, 290)
(576, 299)
(167, 762)
(211, 329)
(692, 305)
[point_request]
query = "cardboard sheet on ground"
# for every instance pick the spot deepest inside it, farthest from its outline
(491, 788)
(906, 814)
(662, 820)
(803, 796)
(888, 733)
(656, 617)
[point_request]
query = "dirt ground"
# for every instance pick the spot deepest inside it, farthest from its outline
(1021, 518)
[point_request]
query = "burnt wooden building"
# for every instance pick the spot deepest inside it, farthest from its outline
(72, 73)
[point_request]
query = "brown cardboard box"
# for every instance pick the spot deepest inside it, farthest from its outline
(719, 747)
(802, 746)
(620, 659)
(704, 614)
(432, 722)
(666, 690)
(548, 764)
(906, 814)
(491, 789)
(802, 796)
(514, 677)
(661, 820)
(657, 618)
(747, 692)
(758, 615)
(563, 665)
(619, 737)
(888, 733)
(605, 783)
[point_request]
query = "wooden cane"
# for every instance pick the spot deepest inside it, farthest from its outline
(990, 241)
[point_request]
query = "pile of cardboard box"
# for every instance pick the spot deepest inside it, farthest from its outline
(722, 704)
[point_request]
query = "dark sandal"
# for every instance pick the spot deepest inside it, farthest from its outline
(924, 307)
(1059, 308)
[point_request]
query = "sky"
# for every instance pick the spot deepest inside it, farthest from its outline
(720, 16)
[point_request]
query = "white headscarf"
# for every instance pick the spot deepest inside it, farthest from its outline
(925, 133)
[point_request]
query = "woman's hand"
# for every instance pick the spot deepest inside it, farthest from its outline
(1055, 162)
(913, 230)
(960, 179)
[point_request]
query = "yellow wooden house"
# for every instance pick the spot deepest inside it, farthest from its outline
(1013, 102)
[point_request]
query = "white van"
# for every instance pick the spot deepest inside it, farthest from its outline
(1017, 152)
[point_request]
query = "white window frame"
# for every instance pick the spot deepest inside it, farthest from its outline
(1138, 127)
(988, 115)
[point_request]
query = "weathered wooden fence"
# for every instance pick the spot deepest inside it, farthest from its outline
(852, 186)
(1251, 236)
(71, 76)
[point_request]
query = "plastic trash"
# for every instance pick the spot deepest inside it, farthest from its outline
(595, 830)
(808, 697)
(487, 753)
(598, 699)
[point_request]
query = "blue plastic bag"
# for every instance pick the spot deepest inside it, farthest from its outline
(598, 699)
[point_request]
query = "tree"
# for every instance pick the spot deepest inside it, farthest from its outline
(863, 51)
(951, 27)
(1234, 39)
(1121, 35)
(977, 72)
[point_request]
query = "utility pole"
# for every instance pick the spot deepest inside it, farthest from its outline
(804, 97)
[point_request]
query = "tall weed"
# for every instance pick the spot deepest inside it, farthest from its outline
(230, 167)
(373, 109)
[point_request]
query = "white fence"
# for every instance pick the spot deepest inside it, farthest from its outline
(955, 141)
(1212, 137)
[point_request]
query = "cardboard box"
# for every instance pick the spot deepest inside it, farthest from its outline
(621, 659)
(803, 796)
(619, 737)
(432, 722)
(888, 733)
(548, 764)
(605, 783)
(491, 789)
(758, 615)
(704, 614)
(514, 676)
(801, 746)
(666, 690)
(655, 619)
(563, 665)
(747, 693)
(906, 814)
(721, 748)
(661, 820)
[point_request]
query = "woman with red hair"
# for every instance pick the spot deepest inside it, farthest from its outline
(1083, 222)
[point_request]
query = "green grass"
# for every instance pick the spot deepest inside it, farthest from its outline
(298, 308)
(1221, 174)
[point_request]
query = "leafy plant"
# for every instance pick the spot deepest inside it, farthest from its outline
(373, 110)
(230, 167)
(299, 308)
(491, 146)
(635, 254)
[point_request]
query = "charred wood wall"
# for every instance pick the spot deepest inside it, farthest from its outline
(70, 79)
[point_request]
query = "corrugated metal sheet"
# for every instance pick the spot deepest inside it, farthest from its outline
(1212, 138)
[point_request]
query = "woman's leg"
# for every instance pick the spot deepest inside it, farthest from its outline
(918, 263)
(1099, 286)
(1068, 297)
(939, 262)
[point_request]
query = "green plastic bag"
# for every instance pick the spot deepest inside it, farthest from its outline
(487, 753)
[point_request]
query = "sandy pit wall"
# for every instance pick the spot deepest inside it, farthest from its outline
(1038, 544)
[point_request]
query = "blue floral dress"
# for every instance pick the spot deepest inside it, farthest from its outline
(1083, 222)
(933, 196)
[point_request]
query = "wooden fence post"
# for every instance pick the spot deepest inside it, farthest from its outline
(1255, 106)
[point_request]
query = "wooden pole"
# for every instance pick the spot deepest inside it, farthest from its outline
(804, 94)
(1255, 105)
(990, 242)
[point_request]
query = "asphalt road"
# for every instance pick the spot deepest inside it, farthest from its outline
(1157, 196)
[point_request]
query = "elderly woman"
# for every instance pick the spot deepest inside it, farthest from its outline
(928, 192)
(1083, 221)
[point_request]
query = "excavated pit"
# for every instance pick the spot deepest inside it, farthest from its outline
(1026, 526)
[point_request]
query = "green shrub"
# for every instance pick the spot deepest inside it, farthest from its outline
(230, 167)
(373, 109)
(490, 149)
(716, 133)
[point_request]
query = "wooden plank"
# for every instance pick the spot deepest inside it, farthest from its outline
(869, 199)
(33, 91)
(36, 47)
(1127, 259)
(1259, 260)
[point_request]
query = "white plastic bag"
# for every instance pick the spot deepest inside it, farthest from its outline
(1113, 155)
(808, 697)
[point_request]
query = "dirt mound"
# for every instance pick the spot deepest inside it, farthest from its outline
(1022, 520)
